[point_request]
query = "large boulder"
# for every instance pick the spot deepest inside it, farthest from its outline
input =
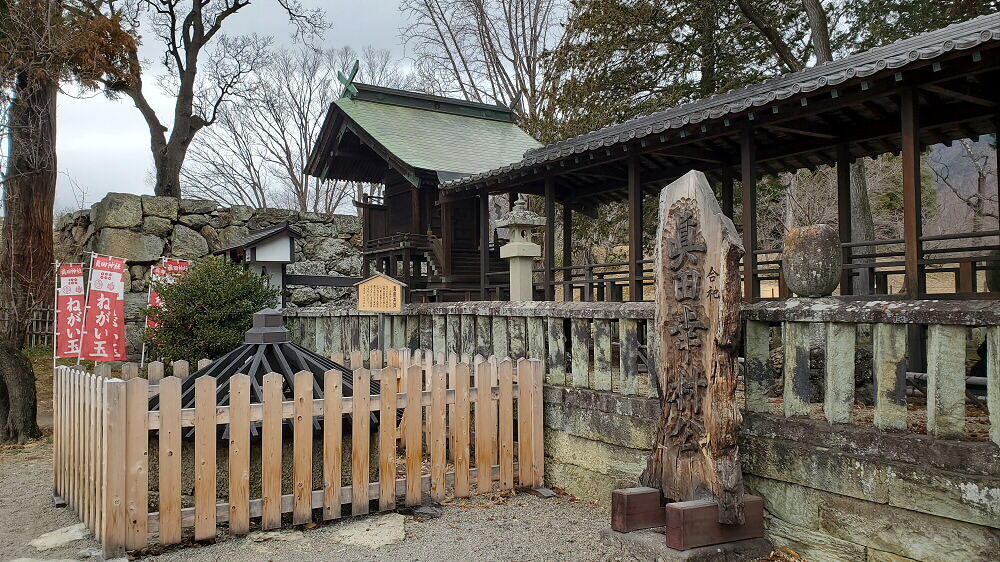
(196, 206)
(157, 206)
(347, 223)
(231, 235)
(330, 249)
(303, 296)
(117, 210)
(241, 213)
(135, 247)
(193, 222)
(157, 226)
(186, 243)
(306, 268)
(211, 236)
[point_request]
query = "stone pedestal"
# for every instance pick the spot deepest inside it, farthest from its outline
(521, 251)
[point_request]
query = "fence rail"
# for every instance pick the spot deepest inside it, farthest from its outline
(597, 345)
(485, 414)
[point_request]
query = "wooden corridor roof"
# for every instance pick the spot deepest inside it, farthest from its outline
(797, 120)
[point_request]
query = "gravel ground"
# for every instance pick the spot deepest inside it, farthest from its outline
(522, 527)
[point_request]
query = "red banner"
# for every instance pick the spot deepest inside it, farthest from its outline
(69, 310)
(104, 333)
(166, 272)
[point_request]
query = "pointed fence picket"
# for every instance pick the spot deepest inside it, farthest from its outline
(483, 413)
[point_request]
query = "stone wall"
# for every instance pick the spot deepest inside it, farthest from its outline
(838, 493)
(143, 228)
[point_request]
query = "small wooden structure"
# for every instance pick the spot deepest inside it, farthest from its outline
(410, 143)
(266, 251)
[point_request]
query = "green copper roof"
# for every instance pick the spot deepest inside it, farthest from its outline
(439, 139)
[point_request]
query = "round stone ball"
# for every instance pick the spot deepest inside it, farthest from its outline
(812, 260)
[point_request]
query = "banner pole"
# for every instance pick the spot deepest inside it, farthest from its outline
(86, 308)
(55, 316)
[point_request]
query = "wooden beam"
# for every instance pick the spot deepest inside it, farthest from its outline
(748, 166)
(844, 211)
(634, 229)
(550, 236)
(799, 129)
(959, 95)
(911, 193)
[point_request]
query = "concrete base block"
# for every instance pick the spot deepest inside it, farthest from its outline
(651, 545)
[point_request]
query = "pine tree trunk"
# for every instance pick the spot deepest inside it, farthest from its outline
(26, 246)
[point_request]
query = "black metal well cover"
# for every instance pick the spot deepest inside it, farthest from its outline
(267, 349)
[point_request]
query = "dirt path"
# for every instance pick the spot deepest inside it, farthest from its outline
(519, 528)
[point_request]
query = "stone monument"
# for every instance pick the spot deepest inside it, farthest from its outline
(521, 251)
(697, 332)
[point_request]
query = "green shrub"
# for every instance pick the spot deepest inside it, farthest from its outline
(207, 310)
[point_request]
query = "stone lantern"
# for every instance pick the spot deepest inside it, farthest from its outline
(521, 251)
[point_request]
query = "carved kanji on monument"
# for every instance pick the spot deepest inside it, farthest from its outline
(697, 323)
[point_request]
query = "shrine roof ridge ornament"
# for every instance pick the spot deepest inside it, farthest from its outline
(919, 50)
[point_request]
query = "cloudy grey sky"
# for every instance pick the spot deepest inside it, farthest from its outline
(103, 145)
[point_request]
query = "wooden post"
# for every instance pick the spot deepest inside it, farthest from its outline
(550, 238)
(844, 213)
(205, 434)
(438, 430)
(462, 375)
(387, 440)
(412, 422)
(170, 461)
(137, 463)
(360, 435)
(567, 251)
(333, 405)
(913, 250)
(484, 242)
(602, 354)
(580, 347)
(271, 451)
(239, 454)
(113, 532)
(748, 165)
(634, 230)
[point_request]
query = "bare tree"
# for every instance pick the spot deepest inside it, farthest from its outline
(980, 199)
(489, 51)
(256, 155)
(205, 69)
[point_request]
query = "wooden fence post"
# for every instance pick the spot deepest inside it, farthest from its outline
(136, 462)
(113, 534)
(170, 460)
(205, 435)
(360, 440)
(387, 439)
(302, 428)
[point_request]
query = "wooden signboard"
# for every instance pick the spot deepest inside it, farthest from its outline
(697, 326)
(380, 293)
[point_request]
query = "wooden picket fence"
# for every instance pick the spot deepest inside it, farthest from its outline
(484, 414)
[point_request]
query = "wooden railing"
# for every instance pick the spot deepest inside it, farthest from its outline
(598, 345)
(486, 415)
(919, 351)
(950, 264)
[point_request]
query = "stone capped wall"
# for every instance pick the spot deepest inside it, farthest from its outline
(143, 228)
